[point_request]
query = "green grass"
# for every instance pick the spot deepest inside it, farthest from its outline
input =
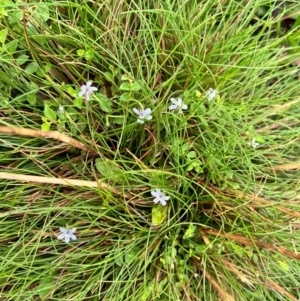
(230, 228)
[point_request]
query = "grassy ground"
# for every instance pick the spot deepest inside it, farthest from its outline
(229, 163)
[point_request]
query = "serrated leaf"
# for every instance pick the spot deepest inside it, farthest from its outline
(3, 34)
(159, 214)
(32, 67)
(49, 113)
(104, 102)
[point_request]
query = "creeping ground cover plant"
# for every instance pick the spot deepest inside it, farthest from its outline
(149, 150)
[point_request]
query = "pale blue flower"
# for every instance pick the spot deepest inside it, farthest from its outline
(159, 197)
(177, 104)
(67, 234)
(211, 94)
(61, 109)
(143, 115)
(87, 90)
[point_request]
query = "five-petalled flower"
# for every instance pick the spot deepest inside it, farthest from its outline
(143, 115)
(159, 197)
(211, 94)
(67, 234)
(87, 90)
(177, 104)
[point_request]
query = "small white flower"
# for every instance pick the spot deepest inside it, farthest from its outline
(211, 94)
(67, 234)
(61, 108)
(87, 90)
(177, 104)
(254, 143)
(143, 115)
(159, 197)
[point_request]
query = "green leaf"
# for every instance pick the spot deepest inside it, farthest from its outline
(190, 232)
(78, 102)
(125, 97)
(32, 67)
(72, 92)
(12, 46)
(3, 34)
(109, 169)
(136, 87)
(238, 250)
(159, 214)
(31, 98)
(130, 256)
(43, 12)
(49, 113)
(89, 54)
(46, 126)
(109, 76)
(126, 87)
(203, 121)
(191, 154)
(80, 52)
(46, 286)
(104, 102)
(283, 265)
(119, 120)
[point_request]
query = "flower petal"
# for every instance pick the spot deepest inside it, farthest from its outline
(136, 111)
(141, 121)
(81, 93)
(179, 101)
(63, 230)
(61, 236)
(154, 193)
(173, 107)
(184, 107)
(67, 238)
(147, 111)
(163, 202)
(72, 230)
(72, 236)
(89, 83)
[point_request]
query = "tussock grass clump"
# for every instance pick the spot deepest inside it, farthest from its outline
(221, 163)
